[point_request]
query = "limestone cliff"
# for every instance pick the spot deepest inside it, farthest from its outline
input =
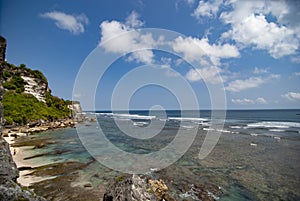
(28, 98)
(25, 80)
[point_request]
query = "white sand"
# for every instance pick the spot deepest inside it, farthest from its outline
(18, 154)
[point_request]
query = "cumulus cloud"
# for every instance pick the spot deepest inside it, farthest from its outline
(252, 82)
(207, 8)
(292, 96)
(246, 101)
(194, 49)
(297, 73)
(250, 26)
(72, 23)
(208, 74)
(240, 85)
(206, 54)
(126, 39)
(261, 100)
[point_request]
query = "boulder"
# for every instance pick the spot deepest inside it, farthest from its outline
(159, 188)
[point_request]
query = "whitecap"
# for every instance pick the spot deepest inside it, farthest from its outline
(274, 124)
(208, 129)
(188, 127)
(187, 119)
(127, 116)
(276, 130)
(235, 127)
(134, 116)
(140, 123)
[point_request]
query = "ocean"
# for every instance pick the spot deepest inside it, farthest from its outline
(256, 156)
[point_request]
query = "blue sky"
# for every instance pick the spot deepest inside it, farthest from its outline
(252, 45)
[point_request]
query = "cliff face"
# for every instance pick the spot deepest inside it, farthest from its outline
(36, 87)
(25, 80)
(28, 98)
(9, 189)
(9, 168)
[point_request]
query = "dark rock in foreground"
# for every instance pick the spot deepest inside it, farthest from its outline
(129, 188)
(137, 188)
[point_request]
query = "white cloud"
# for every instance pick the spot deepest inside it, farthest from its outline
(127, 39)
(207, 8)
(73, 23)
(144, 56)
(260, 70)
(250, 27)
(261, 100)
(297, 73)
(194, 49)
(133, 20)
(208, 74)
(240, 85)
(207, 55)
(166, 65)
(292, 96)
(190, 2)
(246, 101)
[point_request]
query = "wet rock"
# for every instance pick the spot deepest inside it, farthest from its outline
(15, 135)
(24, 168)
(88, 185)
(39, 146)
(93, 119)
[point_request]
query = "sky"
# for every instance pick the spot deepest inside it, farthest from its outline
(250, 49)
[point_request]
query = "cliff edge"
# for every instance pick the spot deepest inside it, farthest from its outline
(9, 189)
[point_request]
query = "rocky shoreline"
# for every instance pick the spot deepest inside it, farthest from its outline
(37, 126)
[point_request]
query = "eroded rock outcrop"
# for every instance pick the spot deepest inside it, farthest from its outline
(131, 188)
(9, 189)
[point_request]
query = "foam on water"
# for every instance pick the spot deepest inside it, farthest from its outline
(140, 123)
(187, 119)
(235, 127)
(273, 124)
(127, 116)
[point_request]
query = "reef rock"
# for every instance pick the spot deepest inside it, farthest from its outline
(130, 188)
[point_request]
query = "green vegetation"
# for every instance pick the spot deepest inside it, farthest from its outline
(15, 83)
(120, 178)
(16, 71)
(21, 108)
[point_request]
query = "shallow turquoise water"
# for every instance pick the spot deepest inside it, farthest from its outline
(256, 158)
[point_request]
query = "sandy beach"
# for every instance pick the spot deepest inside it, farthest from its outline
(18, 154)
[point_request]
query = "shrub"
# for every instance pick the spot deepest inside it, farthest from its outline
(9, 121)
(22, 108)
